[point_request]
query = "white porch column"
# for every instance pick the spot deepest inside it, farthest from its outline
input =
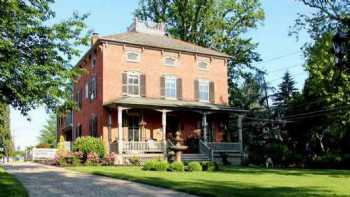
(164, 125)
(205, 127)
(120, 130)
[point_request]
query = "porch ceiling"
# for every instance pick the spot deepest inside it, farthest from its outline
(172, 104)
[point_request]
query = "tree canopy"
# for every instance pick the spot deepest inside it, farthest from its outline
(48, 134)
(35, 54)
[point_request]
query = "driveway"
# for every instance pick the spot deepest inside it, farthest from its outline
(41, 180)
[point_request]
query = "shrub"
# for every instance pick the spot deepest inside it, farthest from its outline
(109, 159)
(43, 145)
(150, 165)
(76, 161)
(135, 161)
(209, 166)
(177, 166)
(194, 166)
(161, 165)
(89, 144)
(92, 159)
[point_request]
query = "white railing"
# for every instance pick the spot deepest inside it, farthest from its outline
(204, 149)
(143, 147)
(225, 146)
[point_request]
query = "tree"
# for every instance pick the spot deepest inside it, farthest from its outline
(6, 143)
(213, 24)
(48, 133)
(286, 91)
(35, 54)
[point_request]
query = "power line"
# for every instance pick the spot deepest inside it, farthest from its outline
(278, 57)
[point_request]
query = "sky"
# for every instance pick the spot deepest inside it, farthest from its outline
(279, 52)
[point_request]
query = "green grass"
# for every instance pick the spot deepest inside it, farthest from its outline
(238, 181)
(9, 186)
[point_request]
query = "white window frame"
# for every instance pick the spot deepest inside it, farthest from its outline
(201, 82)
(169, 57)
(128, 75)
(133, 60)
(168, 78)
(199, 62)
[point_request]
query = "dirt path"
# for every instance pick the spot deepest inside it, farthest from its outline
(41, 180)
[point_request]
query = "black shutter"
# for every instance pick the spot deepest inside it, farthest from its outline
(89, 89)
(90, 127)
(211, 92)
(124, 84)
(162, 86)
(196, 90)
(142, 85)
(179, 88)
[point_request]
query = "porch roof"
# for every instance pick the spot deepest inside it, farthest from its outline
(164, 103)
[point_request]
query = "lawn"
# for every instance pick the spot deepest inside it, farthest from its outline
(238, 181)
(9, 186)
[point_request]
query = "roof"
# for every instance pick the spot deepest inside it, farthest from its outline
(163, 103)
(159, 41)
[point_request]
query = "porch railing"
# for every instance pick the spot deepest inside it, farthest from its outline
(204, 149)
(130, 147)
(225, 146)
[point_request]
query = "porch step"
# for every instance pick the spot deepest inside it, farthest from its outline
(195, 157)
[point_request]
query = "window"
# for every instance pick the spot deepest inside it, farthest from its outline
(78, 131)
(170, 87)
(133, 56)
(203, 65)
(133, 84)
(203, 89)
(90, 89)
(93, 126)
(133, 128)
(170, 61)
(93, 61)
(78, 98)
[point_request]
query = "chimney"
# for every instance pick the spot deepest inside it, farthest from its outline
(94, 38)
(147, 27)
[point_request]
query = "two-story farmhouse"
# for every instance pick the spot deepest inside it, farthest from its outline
(143, 85)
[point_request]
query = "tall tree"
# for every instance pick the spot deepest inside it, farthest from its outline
(286, 91)
(48, 134)
(215, 24)
(6, 143)
(35, 54)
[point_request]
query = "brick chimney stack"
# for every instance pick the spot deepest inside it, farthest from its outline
(94, 38)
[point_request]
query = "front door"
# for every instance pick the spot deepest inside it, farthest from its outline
(172, 126)
(133, 128)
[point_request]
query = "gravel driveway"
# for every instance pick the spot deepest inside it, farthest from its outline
(41, 180)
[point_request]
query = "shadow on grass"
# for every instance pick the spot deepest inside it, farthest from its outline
(222, 188)
(9, 186)
(293, 172)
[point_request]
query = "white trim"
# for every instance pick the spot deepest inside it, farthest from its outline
(138, 74)
(199, 92)
(201, 68)
(132, 60)
(170, 65)
(170, 77)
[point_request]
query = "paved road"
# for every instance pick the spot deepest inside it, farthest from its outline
(41, 180)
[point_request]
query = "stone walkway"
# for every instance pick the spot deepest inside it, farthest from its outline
(41, 180)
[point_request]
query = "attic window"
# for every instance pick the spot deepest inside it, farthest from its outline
(203, 65)
(170, 61)
(93, 61)
(132, 56)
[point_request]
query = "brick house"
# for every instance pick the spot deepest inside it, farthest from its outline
(142, 86)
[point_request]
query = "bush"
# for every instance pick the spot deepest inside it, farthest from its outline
(150, 165)
(75, 161)
(135, 161)
(161, 165)
(177, 166)
(92, 159)
(209, 166)
(194, 166)
(43, 145)
(89, 144)
(108, 160)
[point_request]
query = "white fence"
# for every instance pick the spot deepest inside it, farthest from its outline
(40, 154)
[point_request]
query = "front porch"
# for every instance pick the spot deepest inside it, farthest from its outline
(141, 129)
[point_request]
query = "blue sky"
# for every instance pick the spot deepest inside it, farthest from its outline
(278, 51)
